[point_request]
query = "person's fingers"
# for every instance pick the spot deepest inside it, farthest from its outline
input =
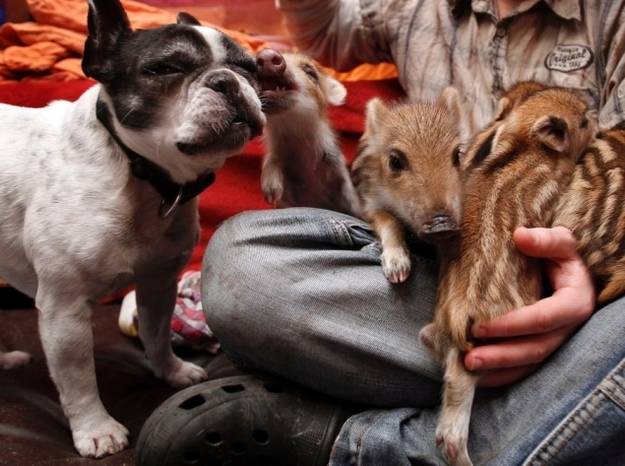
(549, 243)
(506, 376)
(515, 352)
(571, 273)
(564, 308)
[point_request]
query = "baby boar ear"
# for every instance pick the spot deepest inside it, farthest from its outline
(335, 91)
(450, 99)
(503, 107)
(553, 132)
(376, 109)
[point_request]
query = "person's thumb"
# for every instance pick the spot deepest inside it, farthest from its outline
(548, 243)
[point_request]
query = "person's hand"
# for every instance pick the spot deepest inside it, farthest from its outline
(527, 336)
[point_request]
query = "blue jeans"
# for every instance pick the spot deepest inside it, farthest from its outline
(300, 293)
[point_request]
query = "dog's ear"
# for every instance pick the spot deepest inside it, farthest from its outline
(186, 18)
(107, 24)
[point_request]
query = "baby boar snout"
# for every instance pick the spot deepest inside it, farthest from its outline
(439, 228)
(407, 175)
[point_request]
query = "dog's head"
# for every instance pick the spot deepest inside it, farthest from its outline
(182, 95)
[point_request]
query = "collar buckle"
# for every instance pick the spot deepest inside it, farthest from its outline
(165, 211)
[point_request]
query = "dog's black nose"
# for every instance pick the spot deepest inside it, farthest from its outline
(223, 82)
(270, 63)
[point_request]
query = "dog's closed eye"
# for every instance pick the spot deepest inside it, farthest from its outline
(162, 69)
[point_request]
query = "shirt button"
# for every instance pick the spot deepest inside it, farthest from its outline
(501, 32)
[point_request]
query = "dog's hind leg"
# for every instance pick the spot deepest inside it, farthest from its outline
(67, 338)
(452, 431)
(156, 298)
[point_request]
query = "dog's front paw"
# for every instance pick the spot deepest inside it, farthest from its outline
(184, 374)
(14, 359)
(272, 186)
(396, 264)
(453, 446)
(105, 438)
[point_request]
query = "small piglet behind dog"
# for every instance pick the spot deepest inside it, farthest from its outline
(514, 174)
(304, 165)
(407, 176)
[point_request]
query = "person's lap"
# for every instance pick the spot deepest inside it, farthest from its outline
(300, 293)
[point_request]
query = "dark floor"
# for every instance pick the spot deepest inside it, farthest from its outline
(33, 430)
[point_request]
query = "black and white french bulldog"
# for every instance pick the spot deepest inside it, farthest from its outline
(100, 193)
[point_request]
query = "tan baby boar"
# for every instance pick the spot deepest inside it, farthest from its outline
(407, 176)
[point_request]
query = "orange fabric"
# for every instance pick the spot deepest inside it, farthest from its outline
(37, 58)
(5, 73)
(50, 48)
(33, 33)
(68, 66)
(40, 50)
(367, 72)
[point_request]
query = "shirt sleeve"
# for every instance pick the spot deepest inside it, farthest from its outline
(612, 64)
(339, 33)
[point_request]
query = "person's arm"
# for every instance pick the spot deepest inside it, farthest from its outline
(610, 61)
(340, 33)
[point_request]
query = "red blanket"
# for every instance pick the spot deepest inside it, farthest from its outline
(237, 188)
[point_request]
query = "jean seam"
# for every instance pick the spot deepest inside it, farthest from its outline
(614, 391)
(340, 231)
(575, 421)
(356, 455)
(567, 429)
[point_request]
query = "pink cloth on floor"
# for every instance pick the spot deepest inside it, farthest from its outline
(188, 323)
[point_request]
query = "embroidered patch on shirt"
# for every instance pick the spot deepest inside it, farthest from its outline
(567, 58)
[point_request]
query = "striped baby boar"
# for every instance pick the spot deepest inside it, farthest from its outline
(592, 208)
(514, 174)
(407, 176)
(304, 165)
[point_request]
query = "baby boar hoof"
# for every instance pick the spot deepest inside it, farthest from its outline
(272, 189)
(453, 448)
(396, 265)
(14, 359)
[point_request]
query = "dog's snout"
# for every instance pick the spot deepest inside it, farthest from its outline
(270, 63)
(224, 82)
(440, 227)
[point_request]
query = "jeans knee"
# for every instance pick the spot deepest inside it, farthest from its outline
(217, 266)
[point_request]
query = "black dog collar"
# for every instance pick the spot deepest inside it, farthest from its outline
(173, 194)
